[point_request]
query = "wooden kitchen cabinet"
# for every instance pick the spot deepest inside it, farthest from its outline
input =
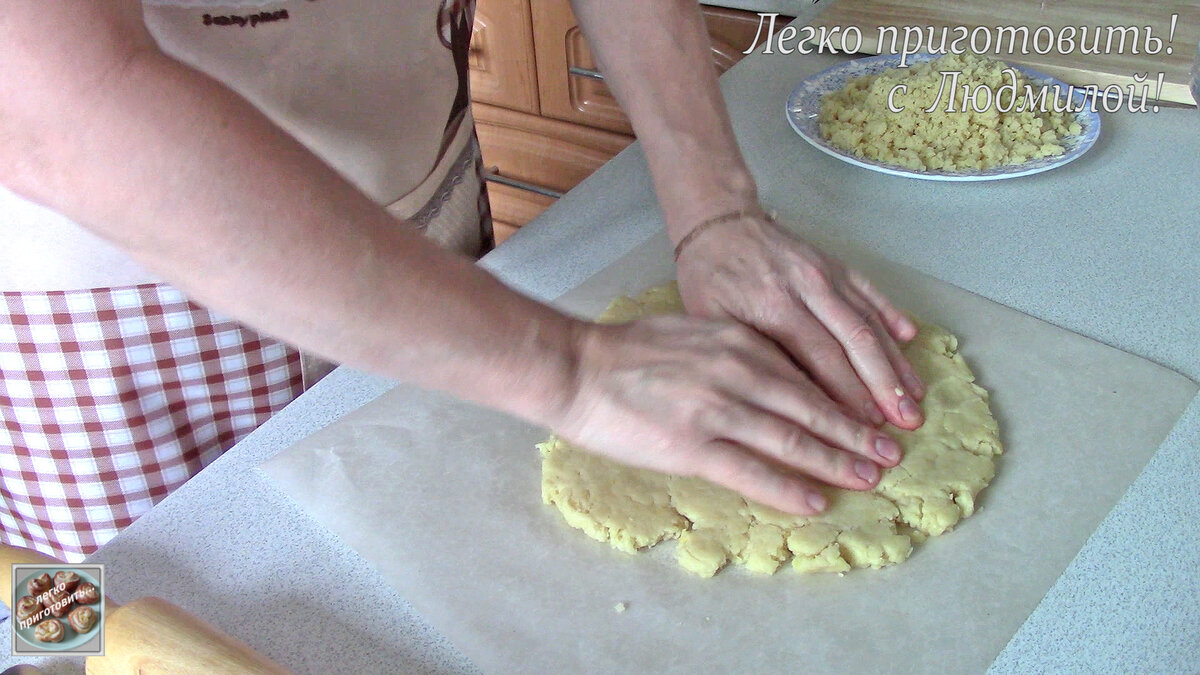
(541, 151)
(534, 159)
(568, 86)
(501, 58)
(544, 117)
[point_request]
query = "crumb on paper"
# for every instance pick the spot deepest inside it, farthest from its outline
(619, 607)
(841, 574)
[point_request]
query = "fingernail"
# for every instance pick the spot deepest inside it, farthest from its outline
(909, 410)
(866, 470)
(873, 413)
(914, 385)
(887, 448)
(816, 501)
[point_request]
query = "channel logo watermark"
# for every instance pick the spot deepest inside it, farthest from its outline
(57, 609)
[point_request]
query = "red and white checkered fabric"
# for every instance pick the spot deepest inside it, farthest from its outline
(112, 398)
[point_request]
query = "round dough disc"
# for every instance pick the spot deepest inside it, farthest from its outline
(947, 462)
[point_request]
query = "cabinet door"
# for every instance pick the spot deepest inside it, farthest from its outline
(501, 58)
(532, 159)
(569, 86)
(512, 207)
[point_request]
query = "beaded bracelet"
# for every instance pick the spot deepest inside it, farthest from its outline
(751, 212)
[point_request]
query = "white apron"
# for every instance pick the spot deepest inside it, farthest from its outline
(114, 388)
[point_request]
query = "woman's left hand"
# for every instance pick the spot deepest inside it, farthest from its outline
(830, 319)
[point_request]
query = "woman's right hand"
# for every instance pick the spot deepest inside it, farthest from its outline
(714, 399)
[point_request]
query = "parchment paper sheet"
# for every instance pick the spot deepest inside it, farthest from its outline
(444, 499)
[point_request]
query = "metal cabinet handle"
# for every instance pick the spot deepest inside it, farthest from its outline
(494, 177)
(585, 72)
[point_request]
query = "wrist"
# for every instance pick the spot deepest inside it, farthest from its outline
(594, 346)
(701, 229)
(541, 375)
(698, 201)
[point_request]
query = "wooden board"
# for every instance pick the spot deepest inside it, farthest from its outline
(1074, 68)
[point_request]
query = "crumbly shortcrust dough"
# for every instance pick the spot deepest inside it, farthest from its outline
(947, 462)
(933, 134)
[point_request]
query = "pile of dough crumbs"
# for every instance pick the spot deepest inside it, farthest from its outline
(857, 118)
(947, 462)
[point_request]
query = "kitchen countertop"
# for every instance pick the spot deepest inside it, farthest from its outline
(231, 548)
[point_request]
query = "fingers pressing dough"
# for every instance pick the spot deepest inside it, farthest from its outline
(947, 462)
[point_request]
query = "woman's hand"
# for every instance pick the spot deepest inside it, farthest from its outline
(715, 399)
(828, 318)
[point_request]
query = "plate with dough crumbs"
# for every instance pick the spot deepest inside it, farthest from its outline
(947, 462)
(842, 111)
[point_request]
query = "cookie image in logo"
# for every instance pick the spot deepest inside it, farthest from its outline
(57, 609)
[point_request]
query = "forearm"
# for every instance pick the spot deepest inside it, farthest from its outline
(656, 59)
(200, 187)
